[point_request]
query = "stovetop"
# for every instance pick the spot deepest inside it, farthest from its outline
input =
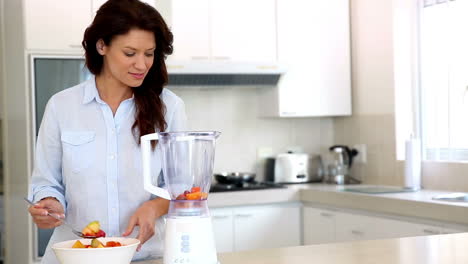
(246, 186)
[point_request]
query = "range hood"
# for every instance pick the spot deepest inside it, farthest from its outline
(209, 73)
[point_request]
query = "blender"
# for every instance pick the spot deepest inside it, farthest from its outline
(187, 167)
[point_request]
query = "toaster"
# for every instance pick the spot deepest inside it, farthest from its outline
(288, 168)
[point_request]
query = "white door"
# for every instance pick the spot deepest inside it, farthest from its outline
(56, 25)
(351, 227)
(266, 227)
(243, 30)
(318, 226)
(223, 229)
(190, 25)
(314, 46)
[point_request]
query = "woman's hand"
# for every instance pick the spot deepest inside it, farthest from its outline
(145, 217)
(40, 210)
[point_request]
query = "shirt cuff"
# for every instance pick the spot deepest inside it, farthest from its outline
(43, 194)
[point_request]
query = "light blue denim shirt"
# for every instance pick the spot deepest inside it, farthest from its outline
(90, 161)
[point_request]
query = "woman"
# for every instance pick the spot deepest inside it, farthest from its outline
(87, 164)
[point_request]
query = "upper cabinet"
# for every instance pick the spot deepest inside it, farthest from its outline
(56, 25)
(190, 24)
(314, 47)
(222, 30)
(243, 30)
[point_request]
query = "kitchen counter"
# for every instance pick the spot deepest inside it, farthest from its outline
(411, 204)
(428, 249)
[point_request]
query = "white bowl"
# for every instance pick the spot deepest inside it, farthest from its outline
(112, 255)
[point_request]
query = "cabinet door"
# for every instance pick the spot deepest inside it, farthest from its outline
(223, 229)
(56, 25)
(190, 26)
(352, 227)
(98, 3)
(314, 46)
(397, 228)
(318, 226)
(243, 30)
(266, 227)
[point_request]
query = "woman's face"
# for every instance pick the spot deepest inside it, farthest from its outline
(128, 57)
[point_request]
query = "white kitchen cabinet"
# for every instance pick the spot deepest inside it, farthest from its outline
(221, 30)
(223, 229)
(352, 227)
(190, 22)
(314, 47)
(254, 227)
(243, 30)
(319, 226)
(337, 225)
(56, 25)
(266, 227)
(447, 230)
(96, 4)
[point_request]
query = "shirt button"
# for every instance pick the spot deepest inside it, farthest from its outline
(112, 156)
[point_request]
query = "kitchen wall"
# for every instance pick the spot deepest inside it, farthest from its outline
(234, 112)
(374, 31)
(372, 122)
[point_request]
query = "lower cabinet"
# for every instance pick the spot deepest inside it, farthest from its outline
(319, 226)
(255, 227)
(327, 226)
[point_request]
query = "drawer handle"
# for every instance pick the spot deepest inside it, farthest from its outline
(356, 232)
(326, 214)
(222, 58)
(74, 46)
(243, 215)
(220, 216)
(199, 58)
(429, 231)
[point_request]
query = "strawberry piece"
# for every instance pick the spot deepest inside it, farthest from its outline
(101, 233)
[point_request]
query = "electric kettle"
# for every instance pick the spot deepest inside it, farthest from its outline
(339, 170)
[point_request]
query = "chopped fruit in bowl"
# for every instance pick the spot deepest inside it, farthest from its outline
(194, 194)
(115, 250)
(93, 229)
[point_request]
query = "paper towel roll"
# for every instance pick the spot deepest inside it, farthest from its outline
(413, 164)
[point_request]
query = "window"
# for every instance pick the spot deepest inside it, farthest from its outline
(444, 79)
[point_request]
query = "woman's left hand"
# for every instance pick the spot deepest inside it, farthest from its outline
(145, 217)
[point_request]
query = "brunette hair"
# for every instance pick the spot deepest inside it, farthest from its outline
(118, 17)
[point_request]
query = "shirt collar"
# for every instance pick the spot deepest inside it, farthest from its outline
(90, 91)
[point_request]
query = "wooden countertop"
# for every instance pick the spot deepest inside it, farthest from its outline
(438, 249)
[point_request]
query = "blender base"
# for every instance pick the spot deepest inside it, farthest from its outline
(189, 240)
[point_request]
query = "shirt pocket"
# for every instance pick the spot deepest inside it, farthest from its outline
(79, 150)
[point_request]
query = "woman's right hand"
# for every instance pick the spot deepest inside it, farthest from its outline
(40, 210)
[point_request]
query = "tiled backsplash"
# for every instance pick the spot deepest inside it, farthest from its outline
(234, 112)
(377, 132)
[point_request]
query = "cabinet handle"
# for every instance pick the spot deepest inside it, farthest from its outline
(74, 46)
(267, 67)
(220, 216)
(244, 215)
(222, 58)
(326, 214)
(356, 232)
(430, 231)
(199, 58)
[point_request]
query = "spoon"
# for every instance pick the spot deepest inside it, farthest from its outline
(78, 233)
